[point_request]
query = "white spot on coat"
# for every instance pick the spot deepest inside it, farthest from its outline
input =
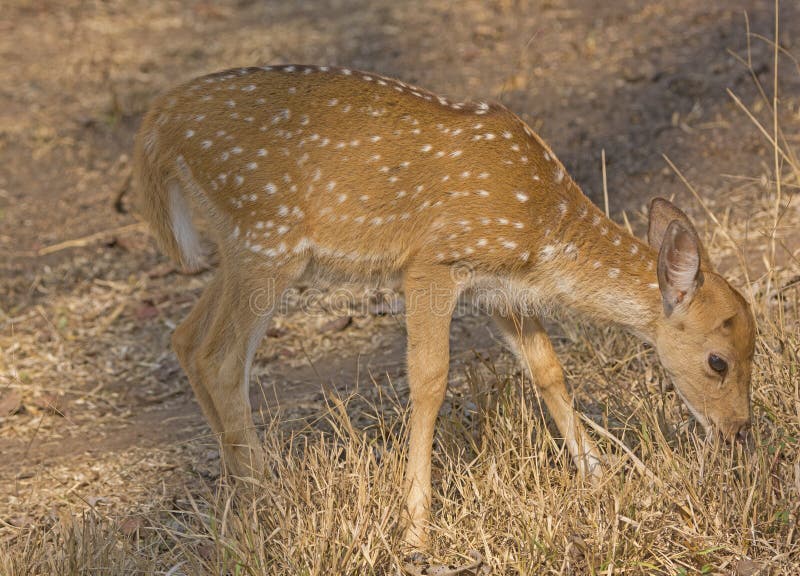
(547, 253)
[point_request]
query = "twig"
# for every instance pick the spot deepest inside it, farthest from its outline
(518, 65)
(710, 214)
(755, 121)
(776, 160)
(627, 222)
(605, 182)
(91, 238)
(56, 390)
(637, 463)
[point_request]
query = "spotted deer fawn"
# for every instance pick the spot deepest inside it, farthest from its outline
(302, 172)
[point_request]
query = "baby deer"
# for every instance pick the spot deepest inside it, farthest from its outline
(305, 171)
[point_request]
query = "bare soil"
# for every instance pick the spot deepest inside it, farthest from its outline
(95, 410)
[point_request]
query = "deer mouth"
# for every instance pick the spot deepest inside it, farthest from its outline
(704, 421)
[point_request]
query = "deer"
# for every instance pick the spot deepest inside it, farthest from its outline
(306, 172)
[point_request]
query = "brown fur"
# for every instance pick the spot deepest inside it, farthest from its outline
(310, 172)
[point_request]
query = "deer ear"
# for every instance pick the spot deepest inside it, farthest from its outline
(679, 274)
(662, 214)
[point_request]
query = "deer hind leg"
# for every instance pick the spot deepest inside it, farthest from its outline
(533, 347)
(216, 345)
(186, 340)
(430, 300)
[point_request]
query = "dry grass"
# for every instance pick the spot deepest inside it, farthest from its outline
(671, 504)
(331, 502)
(504, 486)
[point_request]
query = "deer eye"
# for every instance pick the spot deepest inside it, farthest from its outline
(717, 364)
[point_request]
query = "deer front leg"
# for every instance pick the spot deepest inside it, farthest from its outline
(533, 347)
(430, 299)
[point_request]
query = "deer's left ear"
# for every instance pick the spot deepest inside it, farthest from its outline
(662, 213)
(679, 274)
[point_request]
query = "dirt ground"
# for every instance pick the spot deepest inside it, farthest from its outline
(94, 410)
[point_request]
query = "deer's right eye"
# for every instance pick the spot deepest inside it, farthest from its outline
(718, 364)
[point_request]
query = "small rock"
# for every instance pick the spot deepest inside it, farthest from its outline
(641, 70)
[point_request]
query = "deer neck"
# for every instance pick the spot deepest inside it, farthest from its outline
(597, 268)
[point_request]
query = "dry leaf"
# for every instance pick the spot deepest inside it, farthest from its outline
(10, 403)
(146, 311)
(747, 567)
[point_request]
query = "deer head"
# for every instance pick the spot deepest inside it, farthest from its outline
(706, 336)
